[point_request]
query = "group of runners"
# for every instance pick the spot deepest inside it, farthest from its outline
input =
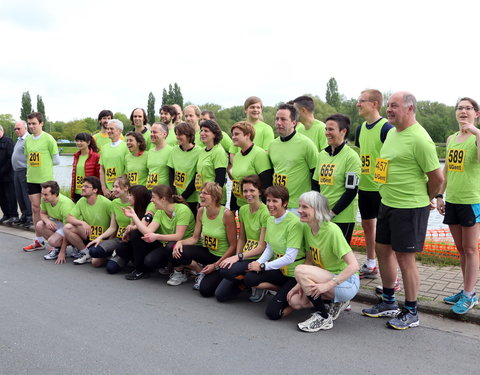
(154, 200)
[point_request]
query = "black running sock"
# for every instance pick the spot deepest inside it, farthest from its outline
(411, 306)
(319, 306)
(388, 295)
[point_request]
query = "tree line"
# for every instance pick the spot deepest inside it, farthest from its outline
(437, 118)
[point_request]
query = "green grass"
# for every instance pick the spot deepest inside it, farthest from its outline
(69, 150)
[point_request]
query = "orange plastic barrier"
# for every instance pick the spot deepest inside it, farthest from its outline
(438, 242)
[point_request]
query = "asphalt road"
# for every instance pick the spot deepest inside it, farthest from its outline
(67, 319)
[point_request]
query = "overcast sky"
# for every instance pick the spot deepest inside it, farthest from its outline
(89, 55)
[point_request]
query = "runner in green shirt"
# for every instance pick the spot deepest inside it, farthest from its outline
(168, 116)
(462, 208)
(42, 153)
(337, 174)
(293, 156)
(331, 269)
(172, 222)
(89, 218)
(308, 125)
(112, 158)
(250, 159)
(253, 218)
(158, 155)
(410, 177)
(369, 138)
(136, 168)
(55, 208)
(183, 165)
(101, 138)
(102, 247)
(283, 252)
(226, 141)
(212, 159)
(138, 118)
(217, 225)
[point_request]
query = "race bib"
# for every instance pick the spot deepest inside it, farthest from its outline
(280, 179)
(198, 182)
(456, 159)
(249, 245)
(96, 230)
(317, 259)
(326, 174)
(152, 180)
(121, 232)
(236, 189)
(366, 164)
(79, 182)
(210, 242)
(34, 159)
(111, 174)
(133, 178)
(381, 168)
(180, 180)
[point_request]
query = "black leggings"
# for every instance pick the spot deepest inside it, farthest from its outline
(201, 255)
(159, 257)
(230, 287)
(278, 303)
(137, 250)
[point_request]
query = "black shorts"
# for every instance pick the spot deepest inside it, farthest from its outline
(403, 228)
(33, 188)
(369, 204)
(466, 215)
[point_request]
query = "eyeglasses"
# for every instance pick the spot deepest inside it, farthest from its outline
(468, 108)
(87, 187)
(17, 128)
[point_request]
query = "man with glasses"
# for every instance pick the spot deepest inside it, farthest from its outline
(42, 153)
(89, 218)
(369, 137)
(19, 165)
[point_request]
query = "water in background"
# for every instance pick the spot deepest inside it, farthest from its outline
(63, 175)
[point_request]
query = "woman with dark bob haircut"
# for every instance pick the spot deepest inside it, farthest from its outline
(85, 163)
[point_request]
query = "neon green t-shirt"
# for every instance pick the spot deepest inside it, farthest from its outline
(215, 237)
(316, 133)
(136, 168)
(327, 247)
(80, 173)
(96, 215)
(182, 215)
(61, 210)
(226, 142)
(148, 140)
(157, 166)
(208, 161)
(112, 159)
(370, 145)
(254, 162)
(331, 175)
(405, 158)
(292, 161)
(463, 171)
(120, 218)
(252, 225)
(101, 139)
(184, 163)
(40, 153)
(287, 233)
(171, 138)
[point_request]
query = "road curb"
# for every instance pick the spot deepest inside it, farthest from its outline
(427, 307)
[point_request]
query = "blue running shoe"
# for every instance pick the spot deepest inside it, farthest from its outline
(382, 309)
(464, 304)
(404, 320)
(452, 300)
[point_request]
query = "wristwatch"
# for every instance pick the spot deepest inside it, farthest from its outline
(240, 256)
(335, 280)
(262, 267)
